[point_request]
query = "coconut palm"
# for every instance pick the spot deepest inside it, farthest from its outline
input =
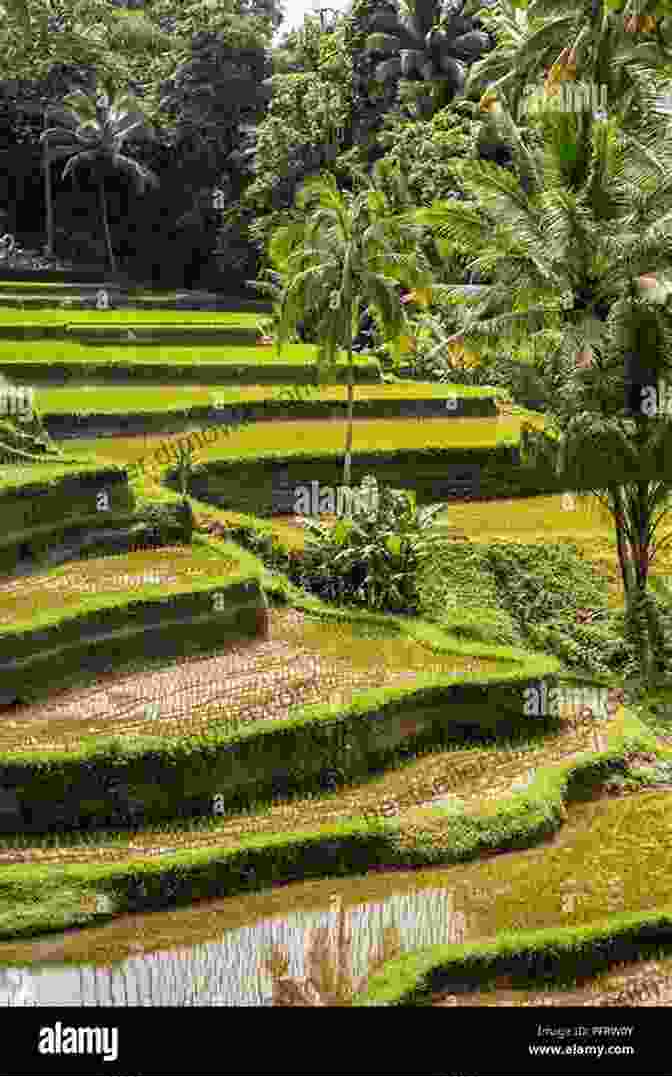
(427, 43)
(101, 126)
(570, 260)
(564, 42)
(346, 255)
(590, 228)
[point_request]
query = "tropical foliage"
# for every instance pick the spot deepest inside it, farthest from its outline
(101, 126)
(372, 557)
(345, 256)
(429, 45)
(571, 254)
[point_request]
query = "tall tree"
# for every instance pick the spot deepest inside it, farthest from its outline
(102, 125)
(570, 258)
(429, 43)
(345, 255)
(543, 44)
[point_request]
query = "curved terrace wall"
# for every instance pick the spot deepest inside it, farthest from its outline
(181, 778)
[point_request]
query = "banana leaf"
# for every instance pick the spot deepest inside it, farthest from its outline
(457, 26)
(421, 17)
(451, 8)
(435, 38)
(384, 21)
(390, 24)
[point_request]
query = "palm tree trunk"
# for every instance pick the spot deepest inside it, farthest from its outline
(655, 637)
(347, 468)
(49, 204)
(623, 559)
(638, 571)
(106, 227)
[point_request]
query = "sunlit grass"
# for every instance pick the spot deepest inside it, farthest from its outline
(467, 773)
(59, 315)
(13, 353)
(257, 680)
(66, 586)
(321, 436)
(166, 397)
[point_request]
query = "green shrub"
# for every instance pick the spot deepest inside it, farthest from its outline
(370, 558)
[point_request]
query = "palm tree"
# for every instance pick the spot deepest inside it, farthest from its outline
(426, 45)
(66, 120)
(570, 259)
(101, 126)
(563, 40)
(347, 254)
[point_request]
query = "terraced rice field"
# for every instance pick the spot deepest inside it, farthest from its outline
(319, 435)
(304, 662)
(13, 353)
(71, 316)
(472, 777)
(611, 854)
(69, 586)
(165, 397)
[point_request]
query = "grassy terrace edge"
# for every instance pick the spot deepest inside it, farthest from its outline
(206, 364)
(482, 404)
(53, 472)
(562, 954)
(175, 778)
(42, 900)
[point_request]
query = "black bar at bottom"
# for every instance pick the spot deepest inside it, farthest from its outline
(439, 1041)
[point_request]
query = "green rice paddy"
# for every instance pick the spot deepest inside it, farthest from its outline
(142, 572)
(321, 436)
(105, 399)
(609, 856)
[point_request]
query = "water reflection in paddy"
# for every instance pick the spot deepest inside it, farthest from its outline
(611, 855)
(226, 971)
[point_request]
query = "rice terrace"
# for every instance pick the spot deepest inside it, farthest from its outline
(336, 546)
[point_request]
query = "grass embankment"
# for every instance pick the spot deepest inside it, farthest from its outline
(468, 776)
(43, 898)
(145, 571)
(16, 353)
(71, 316)
(322, 436)
(15, 478)
(124, 400)
(306, 662)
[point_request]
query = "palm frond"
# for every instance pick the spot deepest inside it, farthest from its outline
(86, 157)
